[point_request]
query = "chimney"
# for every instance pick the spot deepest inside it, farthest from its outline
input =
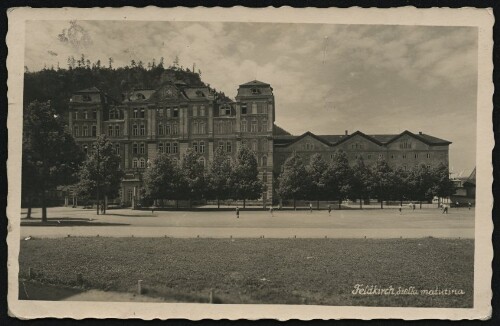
(347, 133)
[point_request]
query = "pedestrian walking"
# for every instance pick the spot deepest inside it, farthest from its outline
(445, 209)
(469, 205)
(153, 209)
(457, 204)
(400, 209)
(310, 208)
(413, 206)
(271, 210)
(279, 206)
(237, 212)
(329, 210)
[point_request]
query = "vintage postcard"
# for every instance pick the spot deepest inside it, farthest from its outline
(250, 163)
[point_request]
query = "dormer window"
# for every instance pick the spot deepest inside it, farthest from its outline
(255, 91)
(243, 108)
(200, 94)
(140, 96)
(86, 98)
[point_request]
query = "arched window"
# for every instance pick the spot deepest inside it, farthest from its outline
(143, 130)
(110, 130)
(117, 149)
(175, 148)
(142, 148)
(202, 146)
(142, 163)
(168, 148)
(135, 130)
(254, 126)
(264, 160)
(228, 147)
(143, 113)
(135, 162)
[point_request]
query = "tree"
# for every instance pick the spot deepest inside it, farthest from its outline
(422, 185)
(316, 175)
(245, 183)
(163, 179)
(194, 175)
(402, 185)
(291, 182)
(443, 186)
(219, 177)
(383, 181)
(361, 182)
(338, 177)
(100, 175)
(50, 155)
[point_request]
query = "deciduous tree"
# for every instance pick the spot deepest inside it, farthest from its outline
(245, 182)
(293, 180)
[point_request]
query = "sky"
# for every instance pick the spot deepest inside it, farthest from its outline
(327, 78)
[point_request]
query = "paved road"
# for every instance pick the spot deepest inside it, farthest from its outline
(387, 223)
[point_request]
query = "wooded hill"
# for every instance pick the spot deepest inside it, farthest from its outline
(58, 84)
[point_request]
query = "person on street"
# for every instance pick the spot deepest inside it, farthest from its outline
(469, 205)
(310, 208)
(400, 209)
(329, 210)
(445, 209)
(237, 212)
(271, 209)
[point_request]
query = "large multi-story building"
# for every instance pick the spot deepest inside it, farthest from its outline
(177, 116)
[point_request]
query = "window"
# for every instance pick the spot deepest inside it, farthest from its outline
(76, 131)
(243, 108)
(264, 177)
(136, 113)
(94, 114)
(142, 148)
(221, 145)
(405, 167)
(85, 115)
(195, 111)
(202, 111)
(168, 130)
(135, 130)
(86, 98)
(202, 147)
(254, 108)
(76, 115)
(143, 113)
(176, 112)
(404, 156)
(195, 146)
(227, 110)
(160, 148)
(404, 144)
(244, 125)
(255, 91)
(229, 127)
(264, 160)
(135, 149)
(228, 147)
(85, 131)
(168, 113)
(244, 143)
(135, 163)
(117, 130)
(416, 155)
(174, 161)
(161, 129)
(254, 146)
(428, 155)
(265, 145)
(175, 129)
(110, 130)
(428, 166)
(263, 126)
(202, 161)
(143, 130)
(175, 148)
(380, 156)
(200, 93)
(254, 126)
(195, 128)
(202, 128)
(142, 163)
(161, 112)
(167, 148)
(369, 156)
(117, 149)
(309, 146)
(393, 156)
(94, 131)
(112, 114)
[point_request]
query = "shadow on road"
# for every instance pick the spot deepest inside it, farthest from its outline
(67, 221)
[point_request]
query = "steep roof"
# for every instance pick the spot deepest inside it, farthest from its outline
(278, 131)
(255, 83)
(382, 139)
(92, 89)
(472, 178)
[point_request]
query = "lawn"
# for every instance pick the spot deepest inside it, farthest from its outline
(271, 271)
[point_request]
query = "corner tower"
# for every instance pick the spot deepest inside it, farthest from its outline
(254, 127)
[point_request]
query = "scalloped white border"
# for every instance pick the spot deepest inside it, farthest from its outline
(481, 18)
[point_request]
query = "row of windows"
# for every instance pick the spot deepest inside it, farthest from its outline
(224, 127)
(139, 148)
(254, 145)
(116, 149)
(255, 108)
(138, 163)
(138, 130)
(168, 129)
(85, 115)
(198, 128)
(169, 148)
(255, 126)
(170, 112)
(113, 130)
(85, 131)
(199, 147)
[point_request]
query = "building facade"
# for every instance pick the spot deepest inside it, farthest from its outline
(177, 116)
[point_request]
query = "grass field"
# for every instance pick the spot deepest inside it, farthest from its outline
(275, 271)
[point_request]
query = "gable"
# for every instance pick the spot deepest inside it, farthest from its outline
(166, 92)
(407, 141)
(308, 143)
(359, 142)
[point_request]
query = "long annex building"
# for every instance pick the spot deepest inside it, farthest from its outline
(177, 116)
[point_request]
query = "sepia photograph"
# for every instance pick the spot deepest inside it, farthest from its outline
(217, 162)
